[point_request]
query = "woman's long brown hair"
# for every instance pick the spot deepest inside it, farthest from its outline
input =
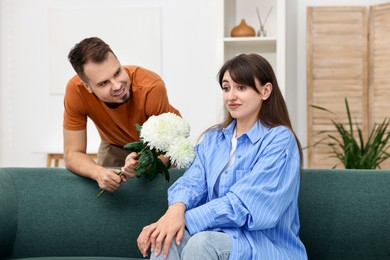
(243, 69)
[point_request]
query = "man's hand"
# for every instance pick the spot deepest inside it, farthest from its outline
(171, 224)
(130, 162)
(109, 180)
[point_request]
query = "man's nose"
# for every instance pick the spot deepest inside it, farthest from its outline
(116, 84)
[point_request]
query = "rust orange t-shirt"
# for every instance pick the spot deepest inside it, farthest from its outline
(148, 96)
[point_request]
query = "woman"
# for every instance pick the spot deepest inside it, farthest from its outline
(239, 198)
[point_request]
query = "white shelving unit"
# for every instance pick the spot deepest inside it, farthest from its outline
(249, 41)
(272, 47)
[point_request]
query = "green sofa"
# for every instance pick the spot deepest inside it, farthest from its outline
(345, 214)
(50, 212)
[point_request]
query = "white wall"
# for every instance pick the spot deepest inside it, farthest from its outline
(31, 117)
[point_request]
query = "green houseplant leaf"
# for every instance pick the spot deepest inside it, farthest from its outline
(350, 148)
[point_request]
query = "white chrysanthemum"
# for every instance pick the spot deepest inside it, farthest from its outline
(160, 131)
(181, 152)
(181, 126)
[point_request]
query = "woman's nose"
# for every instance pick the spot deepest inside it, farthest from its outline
(232, 94)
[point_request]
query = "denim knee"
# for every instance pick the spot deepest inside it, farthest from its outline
(207, 245)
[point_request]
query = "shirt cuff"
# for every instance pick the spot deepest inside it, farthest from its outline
(199, 219)
(182, 198)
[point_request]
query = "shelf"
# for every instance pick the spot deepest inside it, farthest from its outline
(272, 47)
(249, 41)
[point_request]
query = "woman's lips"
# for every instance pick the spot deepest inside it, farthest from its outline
(233, 106)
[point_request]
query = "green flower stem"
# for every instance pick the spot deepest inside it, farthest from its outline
(102, 191)
(140, 152)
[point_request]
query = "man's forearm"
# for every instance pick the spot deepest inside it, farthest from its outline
(81, 164)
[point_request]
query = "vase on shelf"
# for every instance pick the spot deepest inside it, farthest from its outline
(262, 32)
(243, 30)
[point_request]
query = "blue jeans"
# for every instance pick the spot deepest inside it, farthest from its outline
(206, 245)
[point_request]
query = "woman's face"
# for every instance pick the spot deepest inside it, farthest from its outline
(242, 102)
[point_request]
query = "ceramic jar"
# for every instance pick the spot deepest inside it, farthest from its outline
(243, 30)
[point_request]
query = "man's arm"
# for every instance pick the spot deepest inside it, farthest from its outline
(77, 161)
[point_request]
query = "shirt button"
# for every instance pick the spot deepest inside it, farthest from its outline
(239, 156)
(226, 172)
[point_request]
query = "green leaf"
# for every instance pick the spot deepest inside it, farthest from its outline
(134, 146)
(149, 165)
(350, 147)
(138, 128)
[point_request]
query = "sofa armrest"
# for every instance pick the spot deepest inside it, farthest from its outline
(8, 215)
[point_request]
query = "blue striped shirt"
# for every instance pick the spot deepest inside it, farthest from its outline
(256, 202)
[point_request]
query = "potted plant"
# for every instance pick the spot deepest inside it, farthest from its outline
(351, 149)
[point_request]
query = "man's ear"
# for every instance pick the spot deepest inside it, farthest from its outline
(266, 91)
(86, 86)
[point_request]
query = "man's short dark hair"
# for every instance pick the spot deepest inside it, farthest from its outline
(91, 49)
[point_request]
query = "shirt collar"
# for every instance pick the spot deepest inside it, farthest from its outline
(254, 134)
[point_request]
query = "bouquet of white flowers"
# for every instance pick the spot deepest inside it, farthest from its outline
(167, 135)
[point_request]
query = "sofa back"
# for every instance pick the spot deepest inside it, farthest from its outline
(345, 214)
(53, 212)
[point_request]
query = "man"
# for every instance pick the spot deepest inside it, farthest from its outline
(115, 98)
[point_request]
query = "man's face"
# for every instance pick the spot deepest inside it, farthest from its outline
(108, 80)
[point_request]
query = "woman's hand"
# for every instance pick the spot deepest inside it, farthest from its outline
(171, 224)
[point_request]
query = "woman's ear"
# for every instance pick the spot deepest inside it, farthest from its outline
(86, 86)
(266, 91)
